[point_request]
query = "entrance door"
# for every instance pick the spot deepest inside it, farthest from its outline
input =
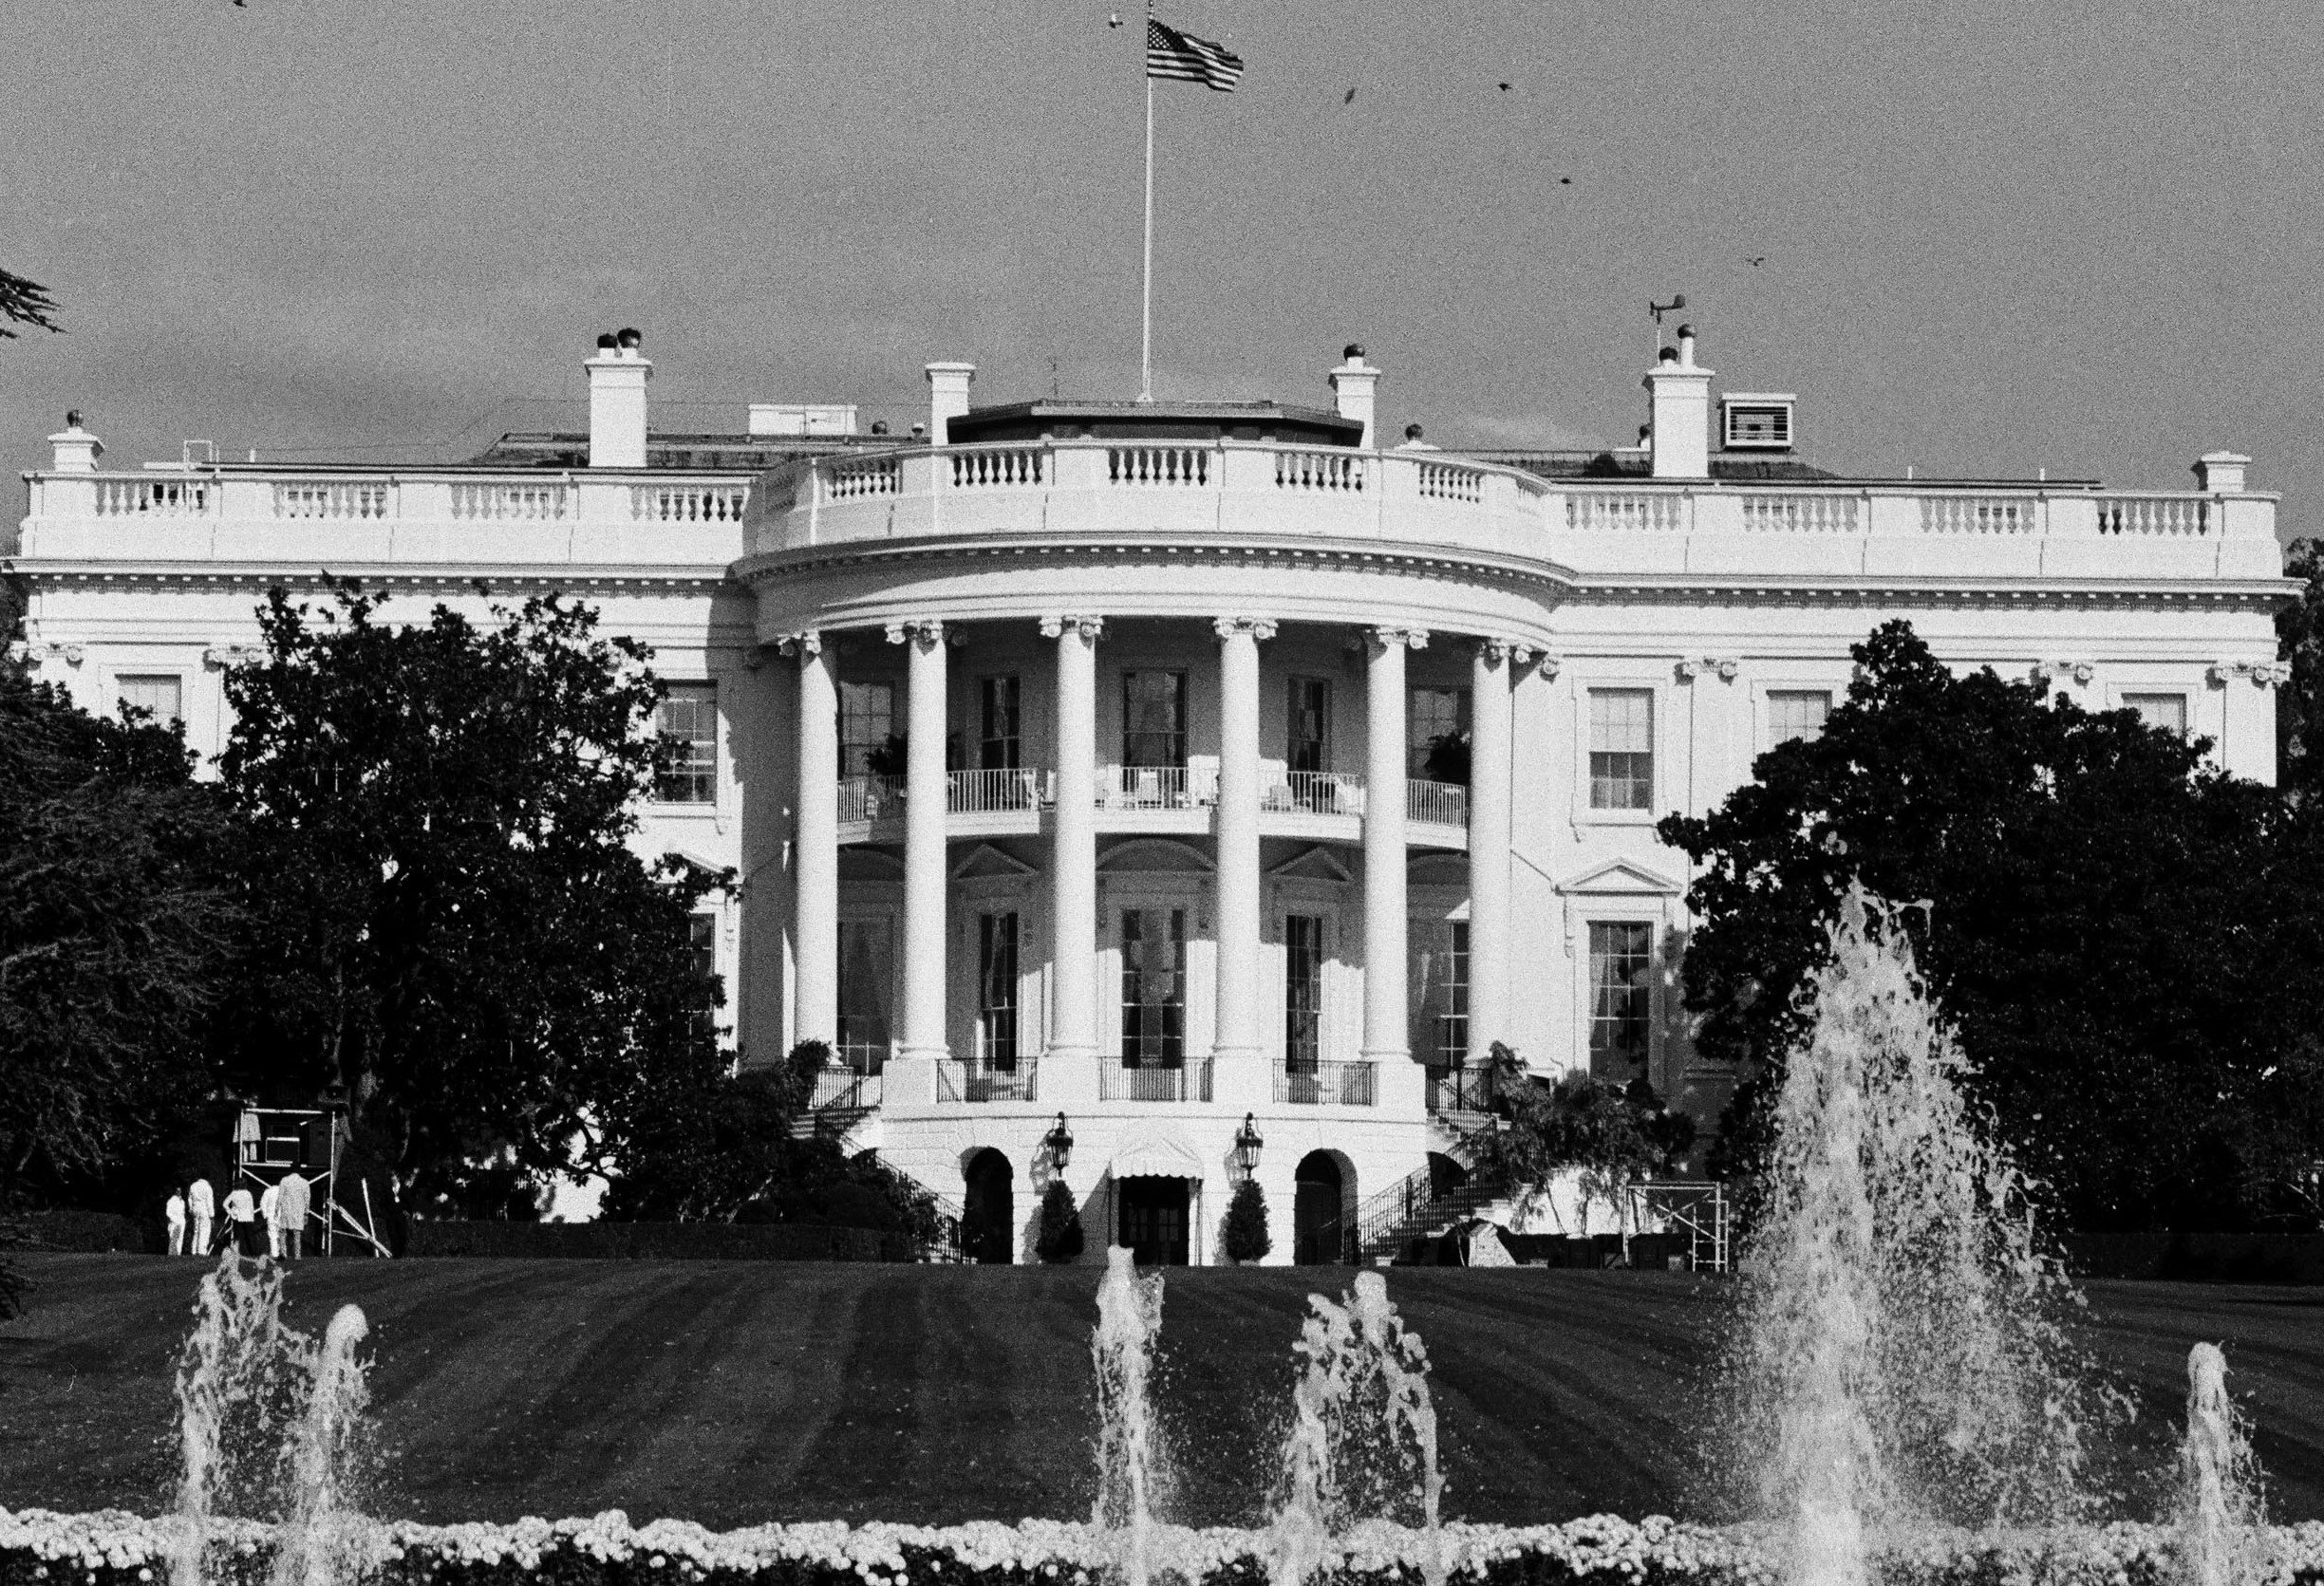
(1154, 1219)
(1316, 1239)
(989, 1209)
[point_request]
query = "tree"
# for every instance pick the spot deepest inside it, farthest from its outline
(449, 916)
(2299, 703)
(1059, 1238)
(24, 302)
(1245, 1237)
(2127, 940)
(1608, 1135)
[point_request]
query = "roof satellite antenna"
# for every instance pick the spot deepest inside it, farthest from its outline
(1658, 311)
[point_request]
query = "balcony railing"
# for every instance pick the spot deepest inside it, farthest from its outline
(870, 798)
(843, 1090)
(1435, 803)
(1315, 793)
(1156, 786)
(1460, 1089)
(1190, 1081)
(1019, 1083)
(1327, 1084)
(978, 793)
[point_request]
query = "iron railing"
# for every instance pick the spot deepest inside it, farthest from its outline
(1321, 1084)
(1188, 1081)
(1316, 793)
(1019, 1082)
(978, 793)
(1435, 803)
(1461, 1089)
(870, 798)
(1156, 786)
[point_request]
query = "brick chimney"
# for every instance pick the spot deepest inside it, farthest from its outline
(76, 450)
(947, 398)
(1681, 394)
(617, 378)
(1353, 384)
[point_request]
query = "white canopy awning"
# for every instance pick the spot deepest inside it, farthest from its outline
(1151, 1150)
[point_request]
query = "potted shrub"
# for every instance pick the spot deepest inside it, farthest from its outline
(1245, 1238)
(1060, 1240)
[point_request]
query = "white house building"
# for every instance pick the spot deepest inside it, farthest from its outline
(1173, 773)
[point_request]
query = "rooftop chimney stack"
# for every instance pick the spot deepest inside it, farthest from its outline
(2215, 471)
(76, 450)
(617, 378)
(1354, 385)
(947, 398)
(1682, 417)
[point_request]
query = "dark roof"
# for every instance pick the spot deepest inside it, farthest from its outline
(1607, 465)
(694, 454)
(1133, 420)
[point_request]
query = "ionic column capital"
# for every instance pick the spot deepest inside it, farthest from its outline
(1261, 628)
(2264, 674)
(1056, 624)
(1695, 666)
(806, 643)
(2049, 671)
(1381, 639)
(923, 633)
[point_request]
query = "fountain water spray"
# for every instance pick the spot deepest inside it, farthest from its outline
(1362, 1440)
(228, 1401)
(1130, 1463)
(1903, 1360)
(322, 1535)
(2222, 1515)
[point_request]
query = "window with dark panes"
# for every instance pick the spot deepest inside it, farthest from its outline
(1621, 1001)
(1622, 748)
(867, 720)
(1154, 988)
(1302, 991)
(1154, 719)
(1308, 743)
(1000, 740)
(997, 991)
(687, 717)
(1433, 716)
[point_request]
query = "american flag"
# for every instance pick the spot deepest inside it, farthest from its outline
(1187, 59)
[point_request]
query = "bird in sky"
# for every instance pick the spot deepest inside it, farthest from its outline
(1113, 21)
(1757, 262)
(1349, 98)
(1505, 87)
(1565, 182)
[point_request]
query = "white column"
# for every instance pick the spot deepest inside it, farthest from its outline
(1386, 1034)
(922, 1033)
(816, 919)
(1236, 1035)
(1489, 799)
(1073, 849)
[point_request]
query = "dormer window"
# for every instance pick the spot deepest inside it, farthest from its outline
(1756, 423)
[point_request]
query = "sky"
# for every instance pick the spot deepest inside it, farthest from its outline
(1993, 236)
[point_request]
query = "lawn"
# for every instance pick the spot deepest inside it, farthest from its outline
(731, 1392)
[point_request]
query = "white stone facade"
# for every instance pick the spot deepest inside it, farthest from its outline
(1165, 681)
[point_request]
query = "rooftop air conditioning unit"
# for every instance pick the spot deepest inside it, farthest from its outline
(1756, 421)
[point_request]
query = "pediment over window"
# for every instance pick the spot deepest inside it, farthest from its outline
(1315, 864)
(1621, 878)
(1152, 855)
(985, 862)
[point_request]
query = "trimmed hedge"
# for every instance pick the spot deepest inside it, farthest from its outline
(696, 1242)
(2200, 1257)
(89, 1233)
(38, 1548)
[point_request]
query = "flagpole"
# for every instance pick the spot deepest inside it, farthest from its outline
(1146, 336)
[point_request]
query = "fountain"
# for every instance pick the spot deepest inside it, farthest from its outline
(322, 1535)
(1130, 1463)
(1362, 1440)
(2222, 1518)
(1903, 1363)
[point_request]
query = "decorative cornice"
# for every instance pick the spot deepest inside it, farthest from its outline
(2264, 674)
(527, 578)
(1545, 666)
(925, 632)
(1056, 626)
(1695, 666)
(1259, 629)
(219, 657)
(72, 655)
(2049, 671)
(1380, 640)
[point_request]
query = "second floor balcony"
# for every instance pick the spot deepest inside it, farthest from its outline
(1326, 806)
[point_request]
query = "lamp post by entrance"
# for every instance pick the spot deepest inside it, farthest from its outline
(1057, 1143)
(1246, 1146)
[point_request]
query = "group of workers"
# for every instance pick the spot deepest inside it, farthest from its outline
(270, 1224)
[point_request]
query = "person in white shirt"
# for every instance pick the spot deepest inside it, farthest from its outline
(200, 1208)
(173, 1220)
(291, 1207)
(270, 1212)
(242, 1221)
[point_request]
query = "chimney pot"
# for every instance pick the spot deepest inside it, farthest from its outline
(1355, 390)
(607, 342)
(947, 398)
(1679, 390)
(1352, 351)
(617, 379)
(879, 427)
(74, 450)
(630, 337)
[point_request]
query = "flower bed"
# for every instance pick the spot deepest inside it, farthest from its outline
(114, 1548)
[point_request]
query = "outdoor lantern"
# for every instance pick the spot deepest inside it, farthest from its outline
(1247, 1145)
(1059, 1140)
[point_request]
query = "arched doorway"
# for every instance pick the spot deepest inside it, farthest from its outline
(1319, 1229)
(989, 1209)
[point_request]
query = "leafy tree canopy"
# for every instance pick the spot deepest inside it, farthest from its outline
(451, 918)
(2129, 942)
(24, 302)
(1608, 1134)
(2300, 704)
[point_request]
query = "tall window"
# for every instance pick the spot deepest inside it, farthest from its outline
(701, 940)
(1622, 748)
(159, 691)
(1620, 965)
(2167, 711)
(688, 717)
(1154, 719)
(1302, 991)
(1434, 715)
(997, 990)
(1154, 988)
(999, 744)
(1438, 991)
(867, 717)
(1796, 713)
(1308, 741)
(866, 981)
